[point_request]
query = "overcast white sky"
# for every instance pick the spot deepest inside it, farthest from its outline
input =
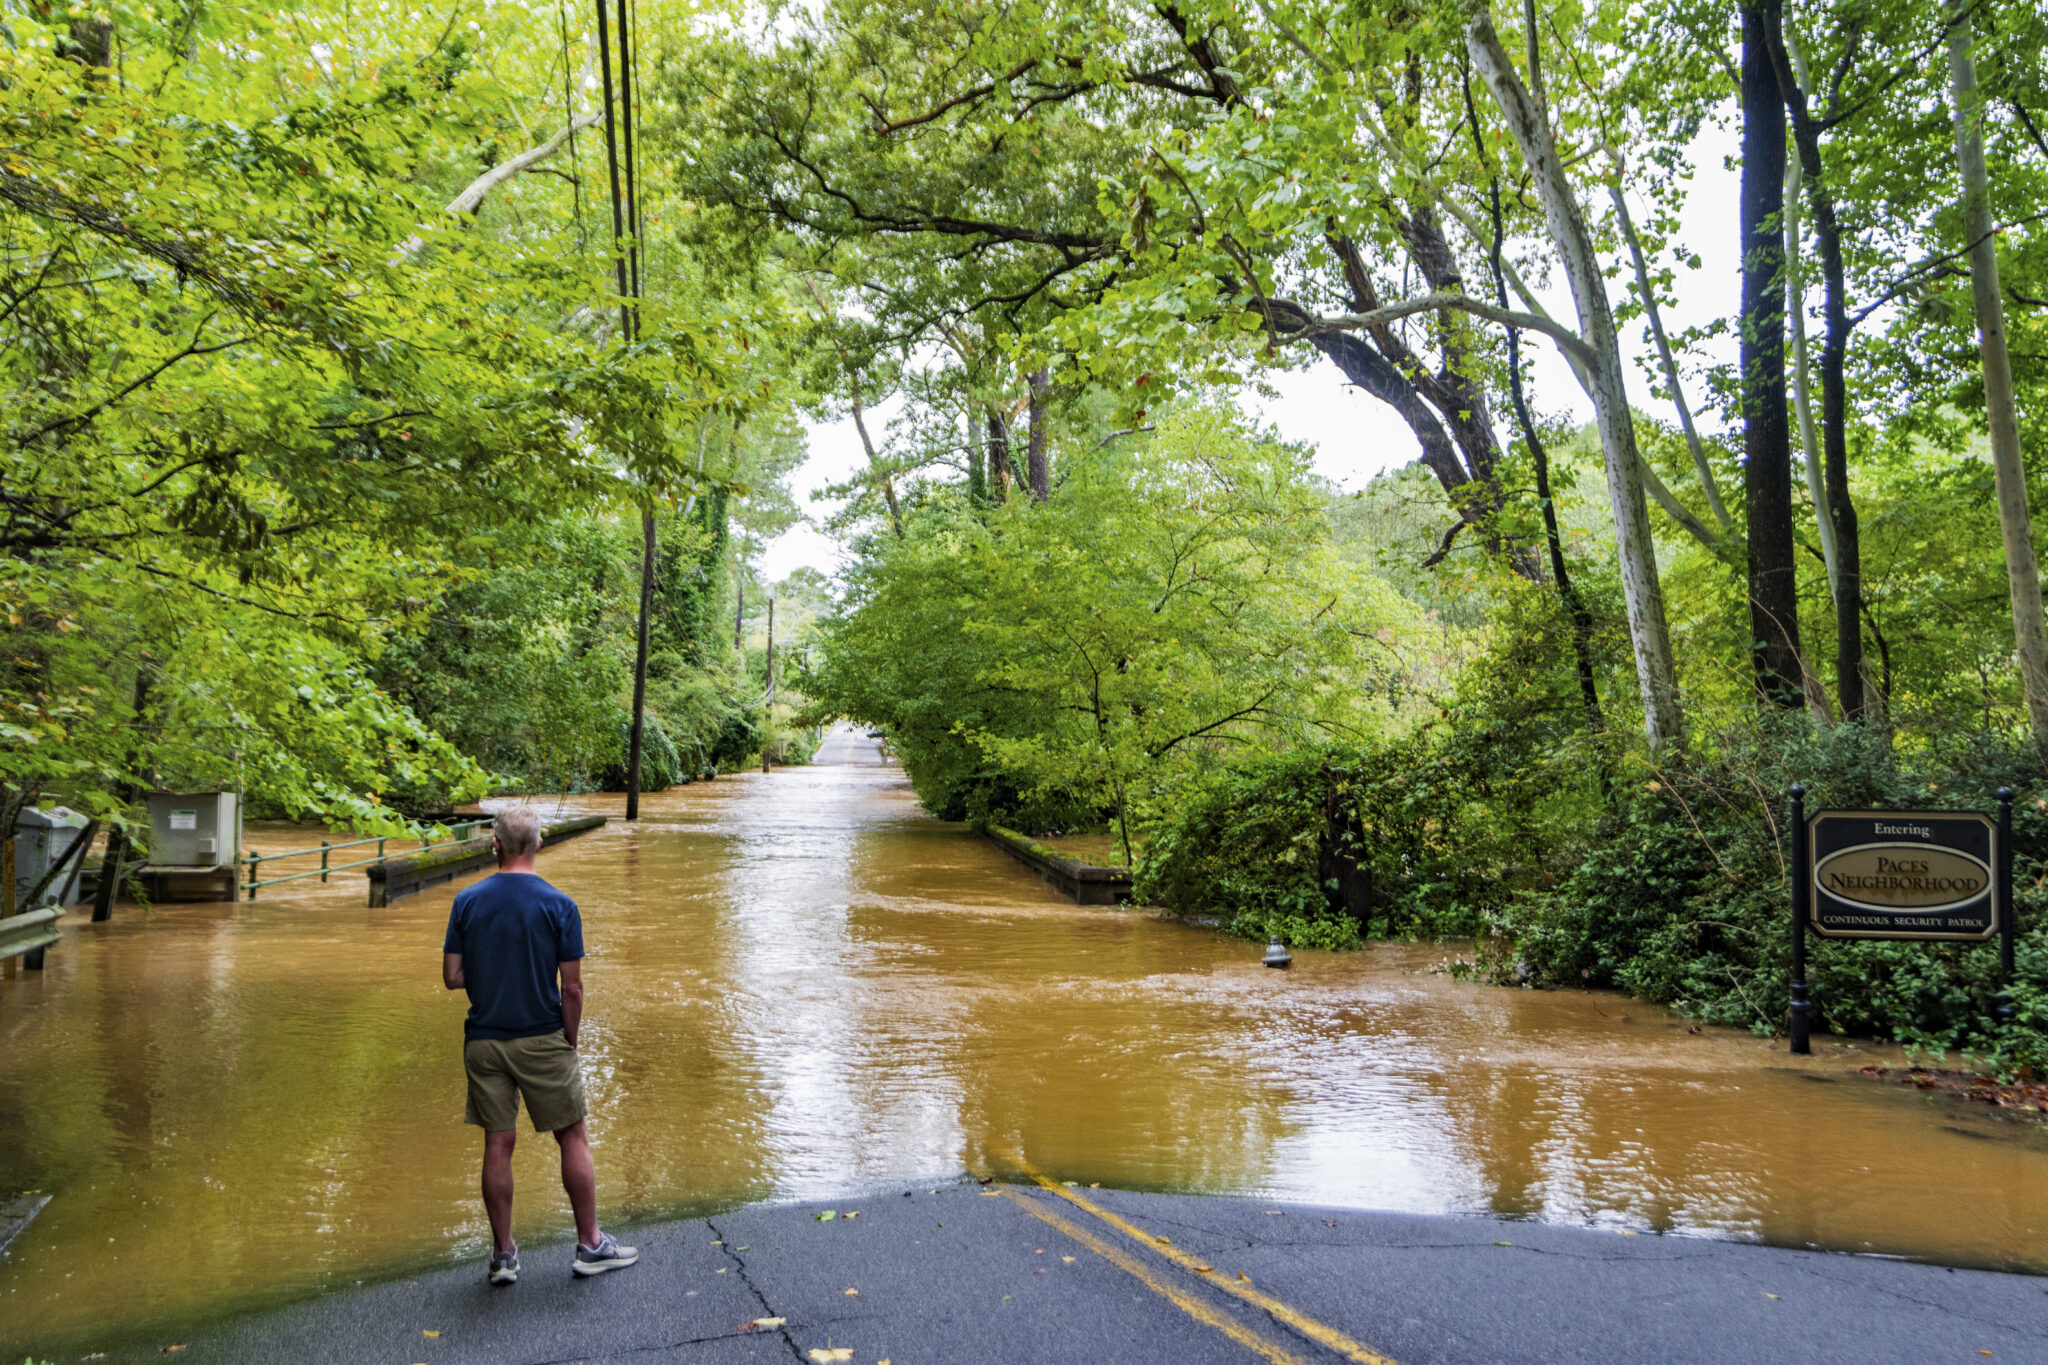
(1356, 437)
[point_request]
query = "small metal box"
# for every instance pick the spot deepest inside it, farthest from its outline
(200, 830)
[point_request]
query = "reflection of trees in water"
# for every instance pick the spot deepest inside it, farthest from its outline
(800, 984)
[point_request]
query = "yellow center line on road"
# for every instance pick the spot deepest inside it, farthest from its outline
(1318, 1332)
(1138, 1270)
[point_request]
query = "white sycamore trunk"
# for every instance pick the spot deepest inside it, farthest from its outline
(2015, 523)
(1649, 634)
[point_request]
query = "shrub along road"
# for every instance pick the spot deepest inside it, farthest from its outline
(1041, 1273)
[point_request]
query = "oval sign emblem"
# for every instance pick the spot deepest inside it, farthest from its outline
(1903, 878)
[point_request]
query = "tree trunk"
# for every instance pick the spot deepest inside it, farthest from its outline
(1649, 633)
(739, 611)
(1553, 536)
(117, 837)
(875, 469)
(2015, 521)
(977, 469)
(1370, 371)
(1039, 473)
(633, 746)
(1431, 404)
(1834, 394)
(1802, 371)
(998, 457)
(1766, 428)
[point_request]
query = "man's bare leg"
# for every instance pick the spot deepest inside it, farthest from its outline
(579, 1179)
(498, 1187)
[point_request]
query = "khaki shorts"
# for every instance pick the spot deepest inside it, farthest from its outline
(543, 1069)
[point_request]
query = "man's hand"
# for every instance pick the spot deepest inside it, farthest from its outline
(451, 971)
(572, 1000)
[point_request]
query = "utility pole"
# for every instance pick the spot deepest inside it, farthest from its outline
(768, 705)
(626, 262)
(634, 748)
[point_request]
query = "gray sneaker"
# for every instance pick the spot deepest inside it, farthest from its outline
(505, 1269)
(606, 1255)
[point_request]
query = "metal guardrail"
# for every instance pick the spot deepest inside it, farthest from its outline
(25, 933)
(459, 833)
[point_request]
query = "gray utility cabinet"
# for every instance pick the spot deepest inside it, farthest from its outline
(201, 830)
(41, 837)
(194, 842)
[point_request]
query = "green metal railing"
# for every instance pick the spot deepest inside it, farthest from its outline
(458, 833)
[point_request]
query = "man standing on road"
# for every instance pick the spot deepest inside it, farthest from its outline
(509, 937)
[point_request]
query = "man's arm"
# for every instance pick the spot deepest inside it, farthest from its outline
(451, 971)
(572, 999)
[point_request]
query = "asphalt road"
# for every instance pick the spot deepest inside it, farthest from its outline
(1042, 1273)
(846, 744)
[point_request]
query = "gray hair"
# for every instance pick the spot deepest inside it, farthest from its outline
(517, 830)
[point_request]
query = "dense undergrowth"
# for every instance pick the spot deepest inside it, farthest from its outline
(1673, 886)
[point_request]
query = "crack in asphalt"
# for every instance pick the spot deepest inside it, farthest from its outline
(767, 1310)
(1820, 1272)
(581, 1357)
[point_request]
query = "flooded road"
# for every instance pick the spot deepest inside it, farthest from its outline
(800, 984)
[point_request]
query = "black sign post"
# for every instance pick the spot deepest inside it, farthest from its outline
(2007, 929)
(1899, 874)
(1802, 909)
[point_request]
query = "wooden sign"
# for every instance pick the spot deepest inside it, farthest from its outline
(1904, 874)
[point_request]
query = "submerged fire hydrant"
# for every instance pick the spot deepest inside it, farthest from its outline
(1276, 953)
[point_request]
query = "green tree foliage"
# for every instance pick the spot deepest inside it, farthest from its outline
(270, 403)
(1179, 598)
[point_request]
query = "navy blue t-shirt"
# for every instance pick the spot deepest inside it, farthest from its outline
(513, 930)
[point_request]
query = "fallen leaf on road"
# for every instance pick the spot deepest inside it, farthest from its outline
(1242, 1276)
(1770, 1296)
(428, 1332)
(1503, 1244)
(767, 1322)
(1068, 1259)
(991, 1194)
(827, 1354)
(1039, 1252)
(1095, 1184)
(853, 1293)
(718, 1243)
(851, 1213)
(719, 1271)
(1201, 1269)
(1070, 1184)
(827, 1216)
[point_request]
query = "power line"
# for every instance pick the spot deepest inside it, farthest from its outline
(611, 153)
(569, 113)
(626, 262)
(632, 163)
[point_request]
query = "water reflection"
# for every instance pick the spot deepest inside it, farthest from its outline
(801, 984)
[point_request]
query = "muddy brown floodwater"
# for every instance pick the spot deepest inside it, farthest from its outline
(801, 985)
